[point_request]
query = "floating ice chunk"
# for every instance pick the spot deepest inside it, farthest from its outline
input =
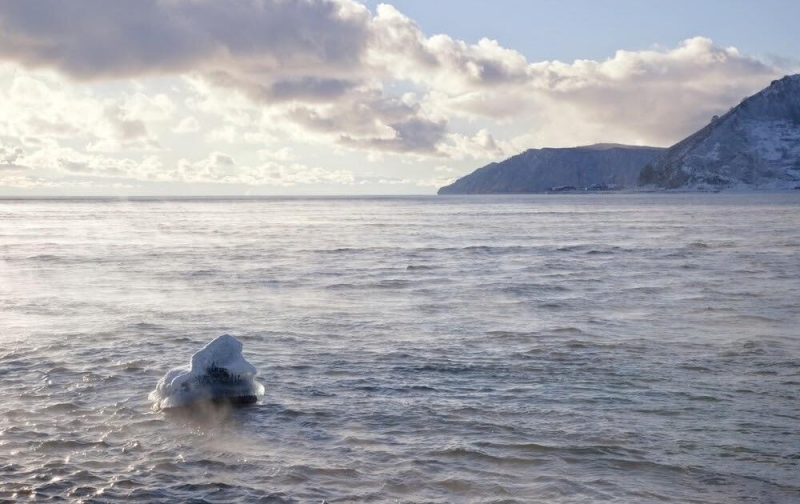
(218, 372)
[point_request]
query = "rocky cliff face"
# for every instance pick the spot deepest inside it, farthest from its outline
(540, 170)
(756, 145)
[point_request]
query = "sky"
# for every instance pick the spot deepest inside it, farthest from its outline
(341, 97)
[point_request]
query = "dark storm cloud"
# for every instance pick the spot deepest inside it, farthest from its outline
(122, 38)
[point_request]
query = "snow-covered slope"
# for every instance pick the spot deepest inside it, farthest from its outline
(756, 145)
(539, 170)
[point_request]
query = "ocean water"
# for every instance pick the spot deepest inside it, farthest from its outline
(553, 349)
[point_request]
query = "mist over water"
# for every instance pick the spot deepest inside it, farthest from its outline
(558, 349)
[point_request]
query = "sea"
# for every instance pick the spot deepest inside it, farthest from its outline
(570, 348)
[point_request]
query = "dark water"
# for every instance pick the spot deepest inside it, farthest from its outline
(554, 349)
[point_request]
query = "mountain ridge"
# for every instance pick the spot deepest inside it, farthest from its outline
(597, 166)
(755, 145)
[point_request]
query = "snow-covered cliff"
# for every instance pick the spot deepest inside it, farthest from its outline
(756, 145)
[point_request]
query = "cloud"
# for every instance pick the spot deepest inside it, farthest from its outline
(187, 125)
(321, 66)
(91, 39)
(227, 133)
(217, 167)
(10, 155)
(482, 145)
(119, 130)
(402, 49)
(308, 54)
(222, 168)
(412, 135)
(69, 162)
(249, 75)
(34, 106)
(141, 107)
(309, 89)
(652, 96)
(33, 182)
(42, 108)
(283, 154)
(279, 174)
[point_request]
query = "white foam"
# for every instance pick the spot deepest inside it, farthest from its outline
(218, 371)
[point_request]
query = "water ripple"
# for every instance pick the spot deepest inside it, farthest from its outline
(619, 348)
